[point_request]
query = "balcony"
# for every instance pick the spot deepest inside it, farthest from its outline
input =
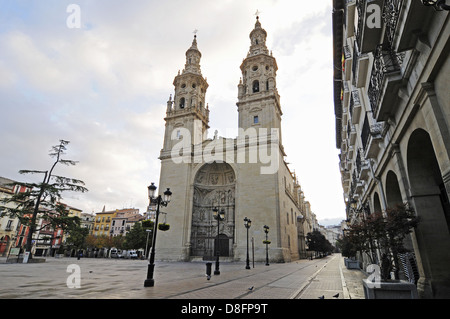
(347, 64)
(344, 115)
(351, 150)
(351, 131)
(385, 80)
(412, 16)
(376, 136)
(355, 107)
(350, 18)
(345, 94)
(365, 169)
(346, 180)
(344, 145)
(359, 187)
(359, 67)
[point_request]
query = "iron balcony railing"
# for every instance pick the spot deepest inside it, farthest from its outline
(391, 10)
(386, 61)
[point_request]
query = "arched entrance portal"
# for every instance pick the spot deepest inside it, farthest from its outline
(432, 206)
(214, 186)
(393, 195)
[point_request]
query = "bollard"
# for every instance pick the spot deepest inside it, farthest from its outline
(208, 270)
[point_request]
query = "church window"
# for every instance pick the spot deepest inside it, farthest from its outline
(182, 102)
(255, 86)
(193, 85)
(178, 134)
(255, 68)
(267, 85)
(183, 85)
(255, 119)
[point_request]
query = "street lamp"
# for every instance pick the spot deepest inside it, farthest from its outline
(218, 216)
(158, 201)
(266, 230)
(438, 5)
(146, 244)
(247, 224)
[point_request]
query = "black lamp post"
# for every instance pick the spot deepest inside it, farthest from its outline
(218, 216)
(438, 5)
(266, 230)
(247, 224)
(158, 201)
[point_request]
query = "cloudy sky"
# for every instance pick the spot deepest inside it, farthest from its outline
(104, 86)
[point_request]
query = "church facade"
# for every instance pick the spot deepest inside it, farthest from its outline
(245, 177)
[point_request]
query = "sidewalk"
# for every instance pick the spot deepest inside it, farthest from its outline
(334, 281)
(352, 281)
(123, 279)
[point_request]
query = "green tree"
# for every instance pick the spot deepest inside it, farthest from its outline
(77, 237)
(118, 242)
(318, 243)
(44, 199)
(136, 238)
(384, 233)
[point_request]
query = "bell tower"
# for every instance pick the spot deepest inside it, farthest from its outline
(187, 114)
(258, 99)
(187, 118)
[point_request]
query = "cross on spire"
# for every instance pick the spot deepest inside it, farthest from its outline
(257, 13)
(195, 32)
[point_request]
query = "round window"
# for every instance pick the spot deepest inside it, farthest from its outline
(255, 67)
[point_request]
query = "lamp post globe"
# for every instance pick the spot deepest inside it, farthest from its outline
(438, 5)
(219, 216)
(158, 201)
(247, 224)
(266, 230)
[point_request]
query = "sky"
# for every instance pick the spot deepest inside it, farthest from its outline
(103, 85)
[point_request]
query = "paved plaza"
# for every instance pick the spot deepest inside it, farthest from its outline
(98, 278)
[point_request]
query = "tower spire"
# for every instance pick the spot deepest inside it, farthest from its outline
(193, 56)
(258, 39)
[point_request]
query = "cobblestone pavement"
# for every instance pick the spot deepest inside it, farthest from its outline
(124, 279)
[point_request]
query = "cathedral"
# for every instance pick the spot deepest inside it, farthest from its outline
(244, 177)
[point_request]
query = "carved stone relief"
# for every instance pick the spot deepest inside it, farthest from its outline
(214, 186)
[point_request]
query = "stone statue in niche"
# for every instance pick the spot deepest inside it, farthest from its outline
(214, 179)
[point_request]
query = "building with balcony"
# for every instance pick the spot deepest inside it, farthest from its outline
(122, 222)
(87, 221)
(109, 223)
(9, 226)
(392, 109)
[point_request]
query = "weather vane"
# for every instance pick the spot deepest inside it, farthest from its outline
(195, 32)
(257, 13)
